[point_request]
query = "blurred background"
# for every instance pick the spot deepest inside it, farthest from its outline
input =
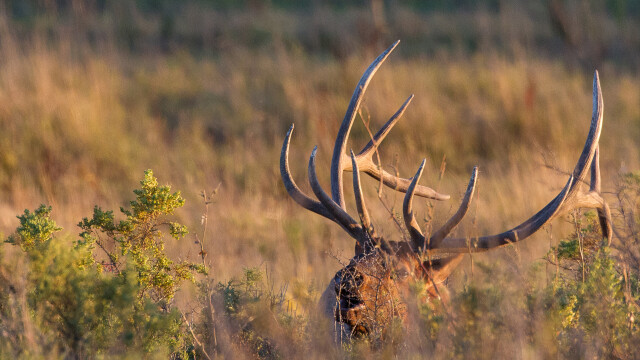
(92, 93)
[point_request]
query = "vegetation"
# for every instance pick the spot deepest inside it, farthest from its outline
(92, 93)
(139, 239)
(84, 308)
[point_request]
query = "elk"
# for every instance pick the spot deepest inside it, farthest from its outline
(365, 296)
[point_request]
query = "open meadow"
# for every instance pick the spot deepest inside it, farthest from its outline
(95, 93)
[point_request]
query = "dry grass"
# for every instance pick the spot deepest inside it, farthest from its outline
(82, 118)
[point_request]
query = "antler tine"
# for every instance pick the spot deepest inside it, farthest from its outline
(342, 217)
(417, 239)
(590, 159)
(571, 196)
(365, 161)
(337, 191)
(520, 232)
(360, 204)
(604, 213)
(441, 233)
(589, 150)
(294, 191)
(373, 144)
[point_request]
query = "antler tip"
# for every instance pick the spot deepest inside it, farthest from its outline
(392, 47)
(597, 91)
(472, 181)
(474, 173)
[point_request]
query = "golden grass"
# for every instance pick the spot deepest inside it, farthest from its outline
(79, 129)
(80, 133)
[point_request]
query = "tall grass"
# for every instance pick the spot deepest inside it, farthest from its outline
(91, 95)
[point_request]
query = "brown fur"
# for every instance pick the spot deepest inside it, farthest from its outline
(370, 292)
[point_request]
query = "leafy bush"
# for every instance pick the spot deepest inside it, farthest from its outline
(595, 317)
(35, 231)
(81, 307)
(139, 239)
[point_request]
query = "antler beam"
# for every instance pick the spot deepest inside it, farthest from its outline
(420, 242)
(571, 197)
(340, 161)
(333, 207)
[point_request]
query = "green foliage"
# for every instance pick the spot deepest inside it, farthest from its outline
(239, 294)
(569, 249)
(83, 311)
(36, 229)
(257, 312)
(577, 252)
(139, 239)
(594, 317)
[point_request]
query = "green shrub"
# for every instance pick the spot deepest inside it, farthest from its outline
(35, 231)
(79, 310)
(594, 317)
(138, 241)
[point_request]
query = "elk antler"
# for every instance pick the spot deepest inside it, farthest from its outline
(418, 240)
(340, 161)
(572, 196)
(333, 207)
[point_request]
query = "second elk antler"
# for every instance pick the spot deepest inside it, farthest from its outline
(367, 294)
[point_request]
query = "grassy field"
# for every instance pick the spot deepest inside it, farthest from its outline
(92, 94)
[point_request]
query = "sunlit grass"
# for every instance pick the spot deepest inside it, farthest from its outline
(78, 128)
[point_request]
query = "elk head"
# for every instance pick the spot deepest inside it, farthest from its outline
(367, 294)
